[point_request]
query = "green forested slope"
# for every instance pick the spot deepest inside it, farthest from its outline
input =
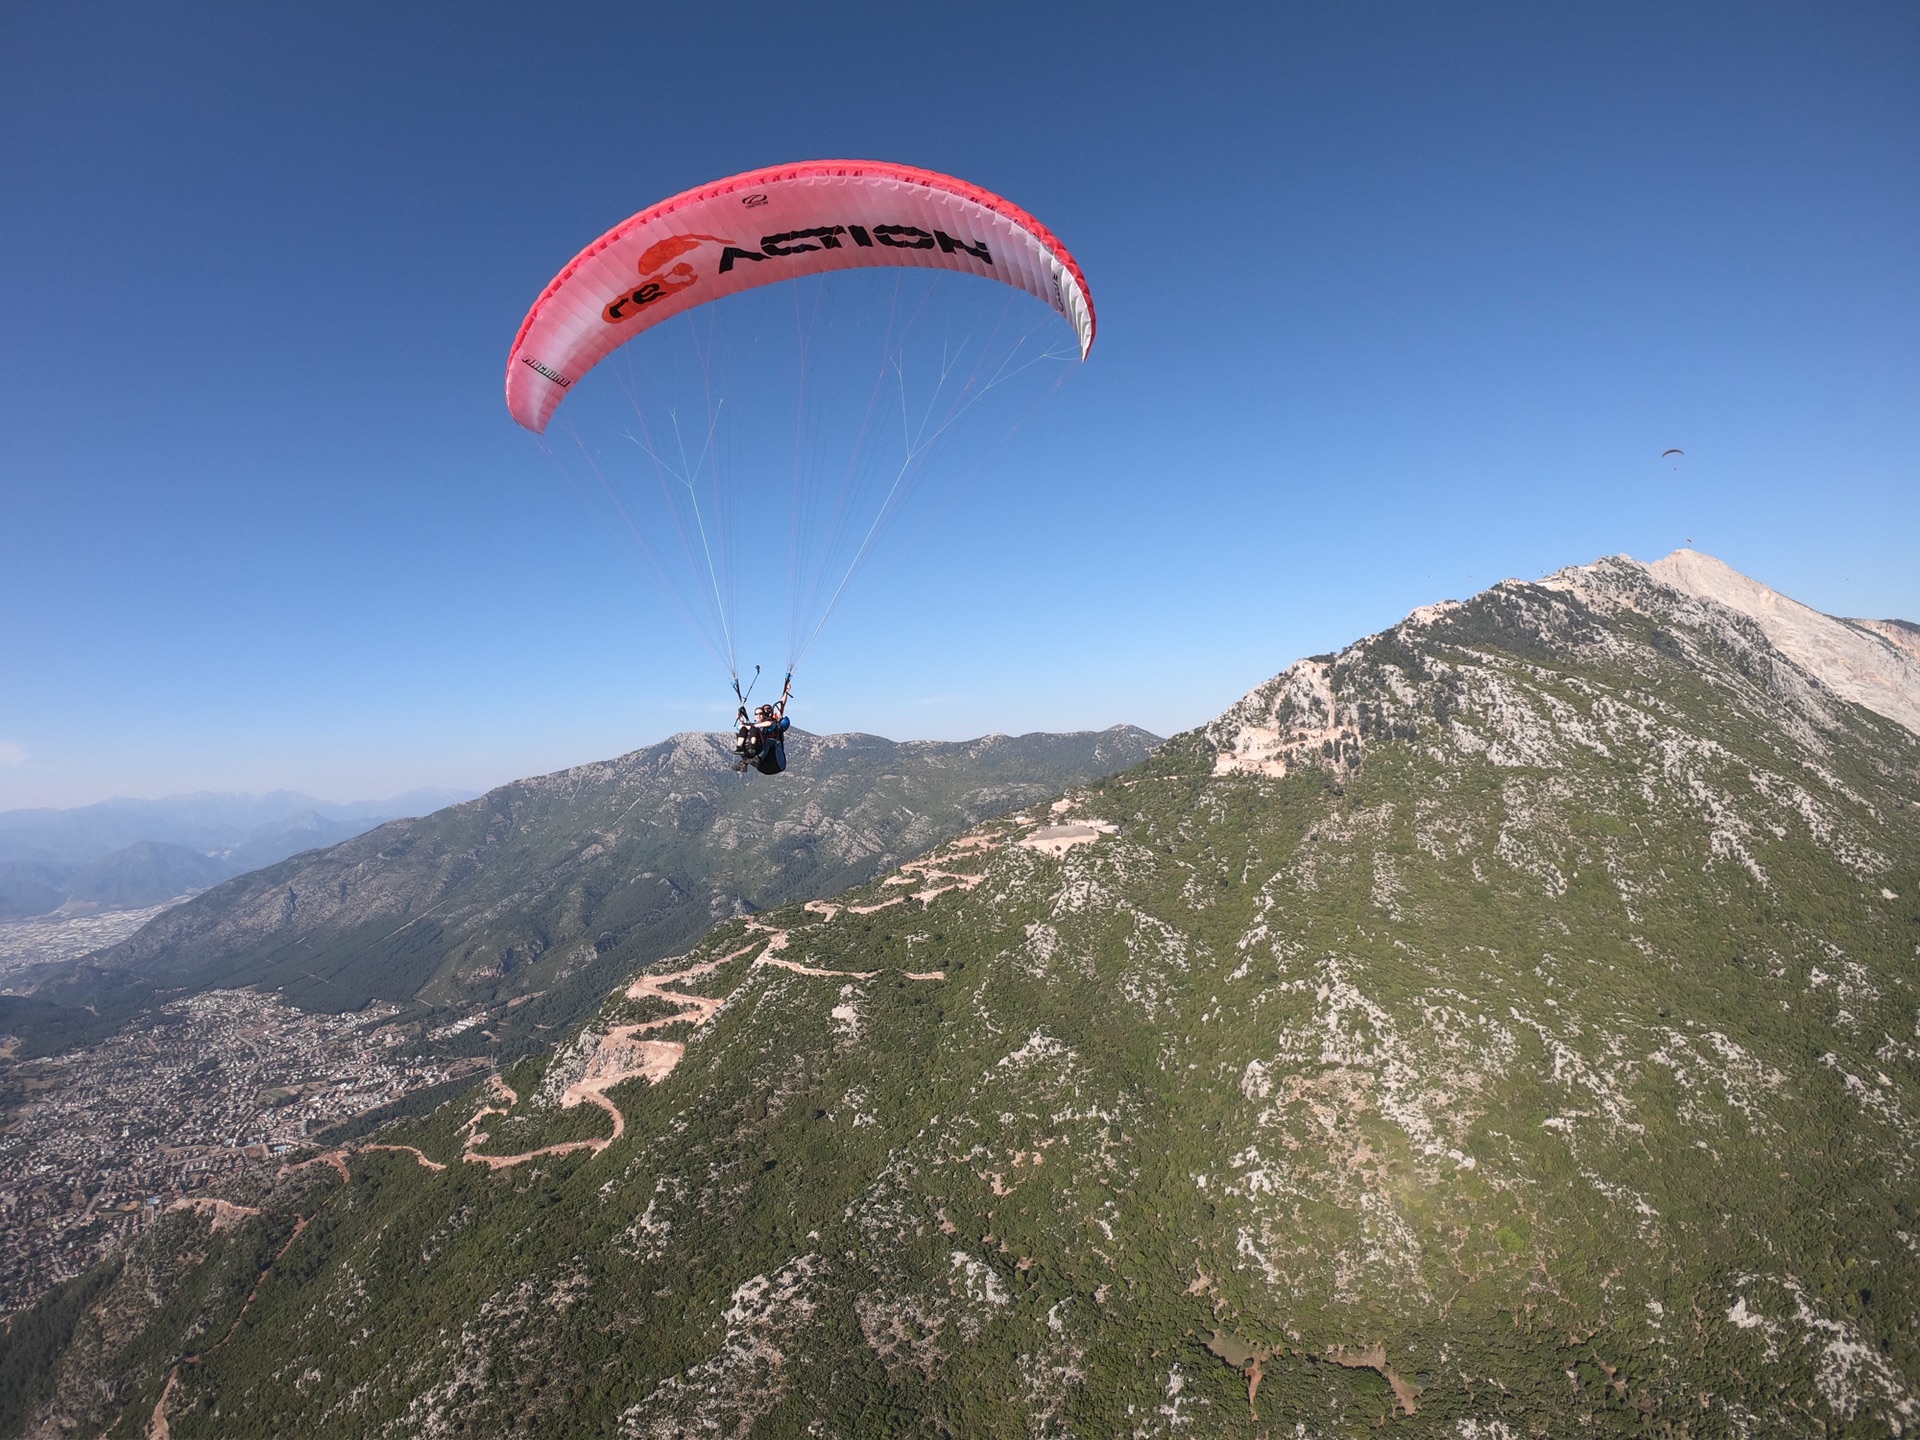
(554, 886)
(1504, 1027)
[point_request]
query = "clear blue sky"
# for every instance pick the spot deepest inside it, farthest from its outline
(1395, 300)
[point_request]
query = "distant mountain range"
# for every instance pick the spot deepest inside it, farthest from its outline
(527, 901)
(128, 854)
(1502, 1027)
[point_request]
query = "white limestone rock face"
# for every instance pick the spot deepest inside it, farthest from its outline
(1904, 634)
(1299, 718)
(1875, 663)
(1292, 718)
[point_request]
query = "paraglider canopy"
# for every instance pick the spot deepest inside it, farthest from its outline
(1665, 453)
(867, 379)
(770, 225)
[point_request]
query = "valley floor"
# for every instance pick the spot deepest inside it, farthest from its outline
(105, 1138)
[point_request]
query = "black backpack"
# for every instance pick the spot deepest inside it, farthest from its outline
(772, 758)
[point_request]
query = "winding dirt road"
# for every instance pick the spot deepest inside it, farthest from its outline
(621, 1055)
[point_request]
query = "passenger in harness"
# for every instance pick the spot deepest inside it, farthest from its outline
(761, 741)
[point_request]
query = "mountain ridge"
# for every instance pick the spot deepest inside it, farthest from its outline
(541, 891)
(1875, 663)
(1504, 1025)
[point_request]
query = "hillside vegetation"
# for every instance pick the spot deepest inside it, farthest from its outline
(546, 890)
(1506, 1026)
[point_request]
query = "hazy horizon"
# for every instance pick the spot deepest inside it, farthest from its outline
(441, 794)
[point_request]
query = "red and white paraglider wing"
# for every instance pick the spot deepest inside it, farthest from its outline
(771, 225)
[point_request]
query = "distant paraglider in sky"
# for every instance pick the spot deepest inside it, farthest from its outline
(852, 333)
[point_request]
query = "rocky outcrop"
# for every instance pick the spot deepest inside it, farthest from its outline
(1296, 718)
(1875, 663)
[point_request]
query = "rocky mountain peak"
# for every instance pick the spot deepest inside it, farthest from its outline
(1875, 663)
(1321, 711)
